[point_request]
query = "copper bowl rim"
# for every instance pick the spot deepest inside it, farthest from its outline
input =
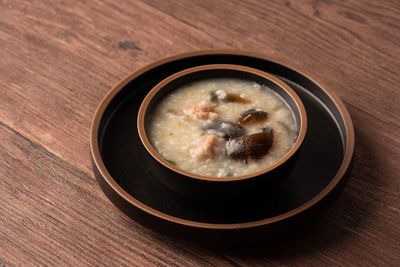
(323, 194)
(300, 109)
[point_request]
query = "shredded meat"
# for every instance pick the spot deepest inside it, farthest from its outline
(201, 111)
(206, 149)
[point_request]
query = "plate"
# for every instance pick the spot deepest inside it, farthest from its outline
(319, 174)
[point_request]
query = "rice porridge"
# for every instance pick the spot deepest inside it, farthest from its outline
(222, 127)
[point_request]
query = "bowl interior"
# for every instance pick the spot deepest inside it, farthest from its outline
(287, 95)
(219, 73)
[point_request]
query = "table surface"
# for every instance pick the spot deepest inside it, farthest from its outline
(58, 60)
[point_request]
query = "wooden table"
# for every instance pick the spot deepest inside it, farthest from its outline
(58, 60)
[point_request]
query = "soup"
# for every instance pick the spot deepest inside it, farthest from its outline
(222, 127)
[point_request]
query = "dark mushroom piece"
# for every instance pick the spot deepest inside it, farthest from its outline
(220, 96)
(252, 116)
(254, 146)
(224, 129)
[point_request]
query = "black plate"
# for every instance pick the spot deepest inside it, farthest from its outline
(319, 173)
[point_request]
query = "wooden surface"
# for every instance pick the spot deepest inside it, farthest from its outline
(59, 58)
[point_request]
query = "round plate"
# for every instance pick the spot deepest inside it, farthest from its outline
(318, 176)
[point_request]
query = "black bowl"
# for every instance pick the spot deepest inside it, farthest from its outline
(228, 188)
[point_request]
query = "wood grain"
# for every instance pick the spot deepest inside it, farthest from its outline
(59, 58)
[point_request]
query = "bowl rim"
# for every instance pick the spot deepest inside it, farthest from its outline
(299, 108)
(120, 192)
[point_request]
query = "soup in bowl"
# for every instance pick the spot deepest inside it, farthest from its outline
(221, 123)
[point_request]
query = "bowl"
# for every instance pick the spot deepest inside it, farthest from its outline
(226, 188)
(321, 171)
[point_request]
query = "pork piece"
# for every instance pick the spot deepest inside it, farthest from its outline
(200, 111)
(253, 146)
(224, 129)
(206, 148)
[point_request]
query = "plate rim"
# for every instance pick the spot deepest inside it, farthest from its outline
(106, 176)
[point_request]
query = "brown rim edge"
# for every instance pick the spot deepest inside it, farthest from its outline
(94, 148)
(282, 85)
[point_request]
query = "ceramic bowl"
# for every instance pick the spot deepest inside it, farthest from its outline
(228, 188)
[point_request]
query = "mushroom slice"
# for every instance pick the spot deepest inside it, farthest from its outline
(220, 96)
(254, 146)
(252, 116)
(224, 129)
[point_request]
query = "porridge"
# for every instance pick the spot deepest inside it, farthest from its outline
(222, 127)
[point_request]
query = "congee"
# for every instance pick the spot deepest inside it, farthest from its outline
(222, 127)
